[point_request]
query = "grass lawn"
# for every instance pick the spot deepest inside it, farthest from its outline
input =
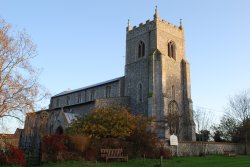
(208, 161)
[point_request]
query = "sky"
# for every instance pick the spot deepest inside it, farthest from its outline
(82, 42)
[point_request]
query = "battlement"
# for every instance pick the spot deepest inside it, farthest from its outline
(142, 28)
(141, 25)
(151, 25)
(148, 22)
(170, 24)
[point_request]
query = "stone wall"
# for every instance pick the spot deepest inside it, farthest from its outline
(12, 139)
(35, 128)
(137, 68)
(83, 95)
(115, 101)
(81, 109)
(196, 148)
(161, 76)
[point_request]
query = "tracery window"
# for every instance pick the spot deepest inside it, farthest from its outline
(141, 49)
(172, 50)
(173, 117)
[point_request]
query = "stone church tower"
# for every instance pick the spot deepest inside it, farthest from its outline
(157, 77)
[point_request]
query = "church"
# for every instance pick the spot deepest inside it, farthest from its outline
(156, 84)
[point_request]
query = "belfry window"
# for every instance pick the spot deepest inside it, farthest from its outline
(172, 50)
(141, 49)
(139, 96)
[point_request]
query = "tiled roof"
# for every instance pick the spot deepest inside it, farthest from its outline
(70, 117)
(87, 87)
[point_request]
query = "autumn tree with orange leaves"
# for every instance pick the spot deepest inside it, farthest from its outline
(19, 87)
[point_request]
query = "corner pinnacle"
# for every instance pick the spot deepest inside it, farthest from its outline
(180, 27)
(128, 27)
(156, 15)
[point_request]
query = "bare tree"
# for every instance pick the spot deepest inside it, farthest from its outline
(203, 122)
(19, 87)
(239, 110)
(202, 119)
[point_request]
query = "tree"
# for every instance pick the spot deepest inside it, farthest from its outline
(115, 127)
(217, 136)
(203, 135)
(226, 130)
(108, 122)
(239, 110)
(19, 87)
(203, 122)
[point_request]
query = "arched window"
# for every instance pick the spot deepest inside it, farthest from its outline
(173, 117)
(59, 130)
(172, 50)
(139, 96)
(141, 49)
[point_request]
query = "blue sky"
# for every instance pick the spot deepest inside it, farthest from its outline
(83, 42)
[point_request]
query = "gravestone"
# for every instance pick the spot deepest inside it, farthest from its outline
(173, 140)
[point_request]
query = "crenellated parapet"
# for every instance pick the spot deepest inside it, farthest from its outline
(150, 25)
(172, 29)
(141, 29)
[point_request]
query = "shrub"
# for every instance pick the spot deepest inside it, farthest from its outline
(106, 122)
(115, 127)
(55, 147)
(165, 153)
(12, 156)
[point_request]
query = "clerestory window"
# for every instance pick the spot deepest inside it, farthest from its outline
(92, 95)
(57, 102)
(67, 100)
(79, 98)
(108, 91)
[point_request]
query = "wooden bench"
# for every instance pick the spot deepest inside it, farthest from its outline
(113, 154)
(229, 153)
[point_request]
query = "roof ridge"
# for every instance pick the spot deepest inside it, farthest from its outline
(87, 87)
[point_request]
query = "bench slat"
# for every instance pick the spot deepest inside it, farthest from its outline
(113, 153)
